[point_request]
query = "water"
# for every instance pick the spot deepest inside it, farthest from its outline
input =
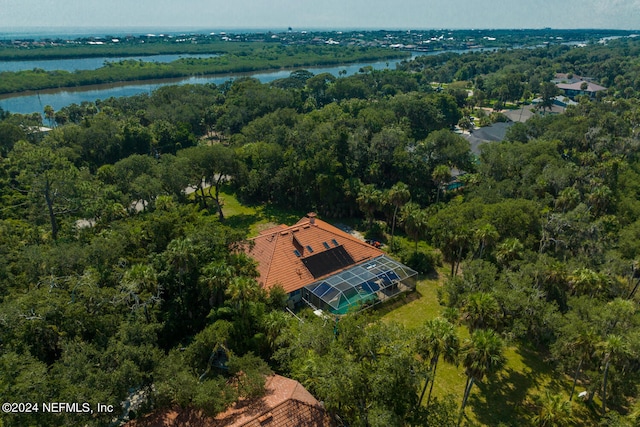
(88, 63)
(58, 99)
(27, 104)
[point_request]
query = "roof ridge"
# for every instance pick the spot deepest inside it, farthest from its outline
(274, 245)
(338, 232)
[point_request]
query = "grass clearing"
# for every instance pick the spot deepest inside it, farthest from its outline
(254, 219)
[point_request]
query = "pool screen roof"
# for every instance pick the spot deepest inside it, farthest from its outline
(359, 283)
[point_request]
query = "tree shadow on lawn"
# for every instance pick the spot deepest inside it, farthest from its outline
(242, 222)
(505, 399)
(501, 400)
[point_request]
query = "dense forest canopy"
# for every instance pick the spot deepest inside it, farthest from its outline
(121, 273)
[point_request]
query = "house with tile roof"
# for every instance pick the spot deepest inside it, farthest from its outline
(325, 267)
(285, 403)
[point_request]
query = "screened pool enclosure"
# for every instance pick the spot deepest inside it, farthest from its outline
(367, 283)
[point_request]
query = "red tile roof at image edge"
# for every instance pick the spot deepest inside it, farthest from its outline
(286, 403)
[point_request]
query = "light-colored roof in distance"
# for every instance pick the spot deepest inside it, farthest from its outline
(591, 87)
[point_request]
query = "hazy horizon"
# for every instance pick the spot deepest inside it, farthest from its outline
(327, 15)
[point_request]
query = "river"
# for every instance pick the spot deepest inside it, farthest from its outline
(59, 98)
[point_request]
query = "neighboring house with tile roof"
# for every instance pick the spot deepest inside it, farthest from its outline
(285, 403)
(325, 267)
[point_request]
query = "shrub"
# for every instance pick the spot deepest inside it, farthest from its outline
(421, 261)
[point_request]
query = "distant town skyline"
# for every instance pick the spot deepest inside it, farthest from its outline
(335, 14)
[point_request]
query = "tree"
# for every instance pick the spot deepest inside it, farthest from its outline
(436, 338)
(49, 114)
(482, 355)
(415, 222)
(216, 276)
(585, 281)
(576, 342)
(553, 411)
(440, 175)
(242, 291)
(465, 123)
(50, 179)
(398, 195)
(612, 349)
(140, 288)
(443, 147)
(548, 92)
(369, 200)
(9, 135)
(509, 250)
(212, 165)
(480, 311)
(486, 235)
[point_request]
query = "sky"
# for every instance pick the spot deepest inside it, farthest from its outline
(329, 14)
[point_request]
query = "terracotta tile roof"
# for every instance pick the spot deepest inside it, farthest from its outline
(174, 417)
(286, 403)
(277, 249)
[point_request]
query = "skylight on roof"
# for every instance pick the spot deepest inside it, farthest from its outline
(309, 248)
(326, 245)
(335, 242)
(295, 251)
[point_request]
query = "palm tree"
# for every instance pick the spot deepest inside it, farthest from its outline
(437, 338)
(49, 113)
(216, 276)
(242, 290)
(567, 199)
(486, 235)
(582, 345)
(614, 347)
(415, 222)
(369, 198)
(141, 288)
(440, 175)
(273, 323)
(398, 195)
(600, 199)
(480, 310)
(554, 411)
(509, 250)
(585, 281)
(181, 256)
(483, 355)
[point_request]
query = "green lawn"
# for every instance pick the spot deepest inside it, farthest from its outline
(254, 219)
